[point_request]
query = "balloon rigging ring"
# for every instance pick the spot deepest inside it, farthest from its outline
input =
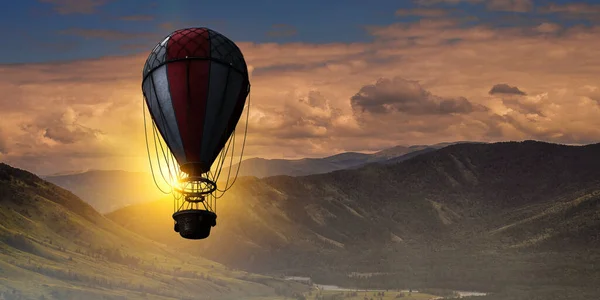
(212, 186)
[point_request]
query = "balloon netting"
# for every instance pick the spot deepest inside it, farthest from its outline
(196, 43)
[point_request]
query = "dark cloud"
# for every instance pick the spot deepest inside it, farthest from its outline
(106, 34)
(523, 21)
(315, 99)
(137, 18)
(571, 8)
(400, 95)
(65, 7)
(282, 30)
(434, 2)
(574, 11)
(212, 23)
(422, 12)
(503, 88)
(511, 5)
(135, 47)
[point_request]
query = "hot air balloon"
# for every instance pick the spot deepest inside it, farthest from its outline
(195, 85)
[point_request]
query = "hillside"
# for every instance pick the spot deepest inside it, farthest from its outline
(109, 190)
(55, 246)
(471, 216)
(260, 167)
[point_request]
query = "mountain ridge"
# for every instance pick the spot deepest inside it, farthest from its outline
(109, 190)
(411, 217)
(261, 167)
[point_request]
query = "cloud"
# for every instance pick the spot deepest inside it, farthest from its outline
(167, 26)
(65, 115)
(434, 2)
(65, 128)
(532, 105)
(432, 32)
(105, 34)
(494, 5)
(137, 18)
(547, 27)
(319, 99)
(571, 8)
(511, 5)
(282, 30)
(400, 95)
(592, 93)
(173, 25)
(134, 47)
(309, 116)
(503, 88)
(65, 7)
(574, 11)
(422, 12)
(3, 142)
(513, 98)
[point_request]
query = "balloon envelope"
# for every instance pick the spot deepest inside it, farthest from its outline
(195, 83)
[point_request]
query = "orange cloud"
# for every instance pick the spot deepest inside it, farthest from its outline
(414, 84)
(282, 30)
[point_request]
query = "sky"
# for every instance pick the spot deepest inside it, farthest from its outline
(327, 76)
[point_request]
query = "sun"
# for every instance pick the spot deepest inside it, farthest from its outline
(166, 175)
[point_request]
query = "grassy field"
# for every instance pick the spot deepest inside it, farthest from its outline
(361, 295)
(63, 274)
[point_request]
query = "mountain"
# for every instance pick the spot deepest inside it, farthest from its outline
(502, 217)
(261, 167)
(55, 246)
(109, 190)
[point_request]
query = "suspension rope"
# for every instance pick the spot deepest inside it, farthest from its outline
(223, 157)
(148, 149)
(230, 163)
(160, 168)
(242, 150)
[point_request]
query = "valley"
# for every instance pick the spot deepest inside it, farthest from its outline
(516, 220)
